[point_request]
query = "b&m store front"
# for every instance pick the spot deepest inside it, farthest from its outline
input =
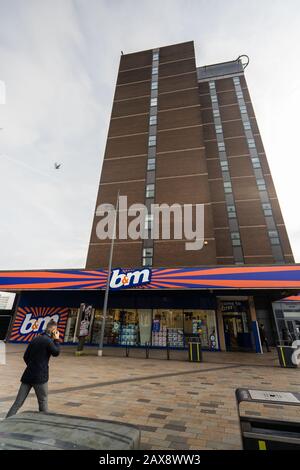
(158, 307)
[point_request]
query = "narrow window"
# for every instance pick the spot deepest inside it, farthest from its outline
(148, 221)
(153, 120)
(150, 190)
(151, 164)
(147, 256)
(152, 140)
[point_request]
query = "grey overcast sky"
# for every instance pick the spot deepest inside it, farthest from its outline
(59, 60)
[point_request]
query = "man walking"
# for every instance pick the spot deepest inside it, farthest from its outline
(263, 337)
(36, 374)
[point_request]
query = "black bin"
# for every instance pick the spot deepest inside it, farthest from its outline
(194, 348)
(285, 354)
(268, 434)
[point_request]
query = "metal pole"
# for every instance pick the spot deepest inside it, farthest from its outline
(100, 350)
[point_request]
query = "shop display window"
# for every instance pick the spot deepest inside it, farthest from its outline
(167, 328)
(121, 327)
(129, 331)
(111, 335)
(157, 327)
(97, 327)
(203, 323)
(145, 325)
(70, 331)
(112, 327)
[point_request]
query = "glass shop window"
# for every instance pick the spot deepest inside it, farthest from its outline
(203, 323)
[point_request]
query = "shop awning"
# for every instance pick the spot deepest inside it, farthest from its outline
(285, 277)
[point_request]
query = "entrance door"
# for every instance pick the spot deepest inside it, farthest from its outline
(234, 332)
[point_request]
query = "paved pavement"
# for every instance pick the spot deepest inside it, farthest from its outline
(177, 404)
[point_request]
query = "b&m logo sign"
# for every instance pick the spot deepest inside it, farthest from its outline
(32, 321)
(123, 279)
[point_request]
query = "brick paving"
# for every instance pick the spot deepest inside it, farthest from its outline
(176, 404)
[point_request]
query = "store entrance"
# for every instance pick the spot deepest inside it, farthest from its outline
(236, 325)
(233, 329)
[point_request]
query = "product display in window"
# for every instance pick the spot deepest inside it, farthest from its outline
(129, 335)
(175, 337)
(200, 328)
(116, 326)
(167, 336)
(96, 332)
(168, 318)
(202, 323)
(159, 334)
(157, 327)
(213, 341)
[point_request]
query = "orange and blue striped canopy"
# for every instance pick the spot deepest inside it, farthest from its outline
(234, 277)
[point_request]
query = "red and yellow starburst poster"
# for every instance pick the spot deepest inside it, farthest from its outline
(32, 321)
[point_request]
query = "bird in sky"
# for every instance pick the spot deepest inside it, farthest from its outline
(57, 166)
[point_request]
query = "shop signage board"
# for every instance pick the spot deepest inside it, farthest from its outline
(32, 321)
(7, 300)
(241, 277)
(123, 279)
(233, 306)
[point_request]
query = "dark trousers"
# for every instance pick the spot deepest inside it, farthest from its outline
(41, 391)
(81, 343)
(265, 341)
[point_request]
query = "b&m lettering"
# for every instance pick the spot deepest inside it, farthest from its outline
(36, 324)
(120, 279)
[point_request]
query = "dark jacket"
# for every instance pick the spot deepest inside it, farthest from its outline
(37, 357)
(262, 334)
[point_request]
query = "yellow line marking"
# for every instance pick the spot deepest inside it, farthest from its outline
(262, 445)
(282, 356)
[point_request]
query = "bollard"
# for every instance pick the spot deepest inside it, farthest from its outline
(147, 349)
(168, 351)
